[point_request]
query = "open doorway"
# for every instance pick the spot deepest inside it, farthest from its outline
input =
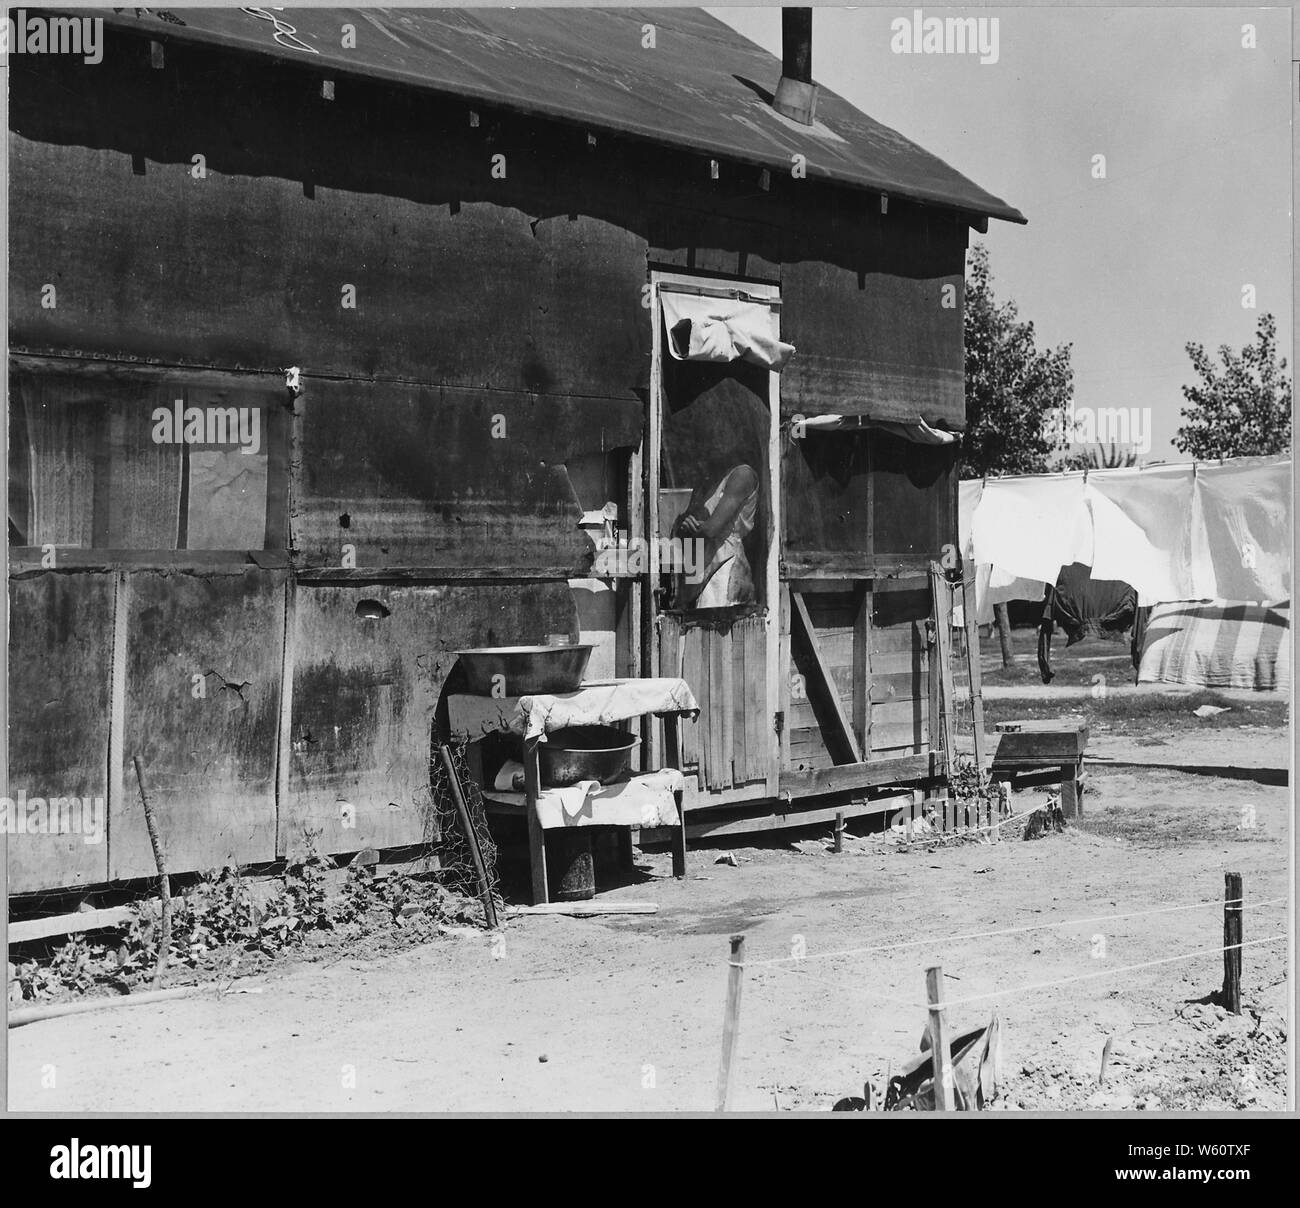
(713, 521)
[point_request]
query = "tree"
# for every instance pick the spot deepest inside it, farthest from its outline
(1242, 409)
(1013, 389)
(1108, 457)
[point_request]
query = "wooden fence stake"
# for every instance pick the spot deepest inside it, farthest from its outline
(164, 882)
(941, 664)
(839, 832)
(1232, 905)
(731, 1023)
(973, 662)
(999, 807)
(940, 1054)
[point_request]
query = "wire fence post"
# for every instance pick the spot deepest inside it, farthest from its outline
(731, 1022)
(940, 1054)
(1232, 934)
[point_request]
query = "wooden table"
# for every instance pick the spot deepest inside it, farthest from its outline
(1044, 752)
(467, 715)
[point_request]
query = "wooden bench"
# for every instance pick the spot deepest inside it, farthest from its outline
(1043, 752)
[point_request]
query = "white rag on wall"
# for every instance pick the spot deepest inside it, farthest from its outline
(1219, 531)
(722, 329)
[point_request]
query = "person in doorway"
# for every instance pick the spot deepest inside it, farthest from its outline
(721, 521)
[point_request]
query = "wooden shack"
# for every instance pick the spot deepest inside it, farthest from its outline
(336, 345)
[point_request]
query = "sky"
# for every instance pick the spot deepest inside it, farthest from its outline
(1195, 204)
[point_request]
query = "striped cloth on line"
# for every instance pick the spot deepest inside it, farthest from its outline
(1218, 644)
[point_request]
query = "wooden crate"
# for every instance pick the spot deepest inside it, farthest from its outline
(1041, 742)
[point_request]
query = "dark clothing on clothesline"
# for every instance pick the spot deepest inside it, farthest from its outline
(1083, 606)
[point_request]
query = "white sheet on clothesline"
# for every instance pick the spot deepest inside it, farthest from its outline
(1173, 532)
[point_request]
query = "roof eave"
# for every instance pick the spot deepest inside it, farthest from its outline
(977, 217)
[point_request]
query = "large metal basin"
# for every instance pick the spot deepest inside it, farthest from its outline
(576, 753)
(525, 670)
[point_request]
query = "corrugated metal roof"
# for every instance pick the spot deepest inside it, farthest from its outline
(703, 86)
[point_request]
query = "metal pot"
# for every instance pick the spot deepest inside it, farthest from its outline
(525, 670)
(600, 753)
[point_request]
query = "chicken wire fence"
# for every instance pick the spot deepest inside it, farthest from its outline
(459, 871)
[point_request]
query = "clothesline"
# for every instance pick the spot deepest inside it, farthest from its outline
(1188, 531)
(1102, 471)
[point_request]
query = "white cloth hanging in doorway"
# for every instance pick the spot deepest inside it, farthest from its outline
(722, 329)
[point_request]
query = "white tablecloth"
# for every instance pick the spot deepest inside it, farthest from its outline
(600, 703)
(646, 800)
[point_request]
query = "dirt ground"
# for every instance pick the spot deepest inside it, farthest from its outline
(625, 1013)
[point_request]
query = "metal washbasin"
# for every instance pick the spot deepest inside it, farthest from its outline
(575, 753)
(524, 670)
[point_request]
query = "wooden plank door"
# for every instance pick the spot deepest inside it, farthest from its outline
(706, 421)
